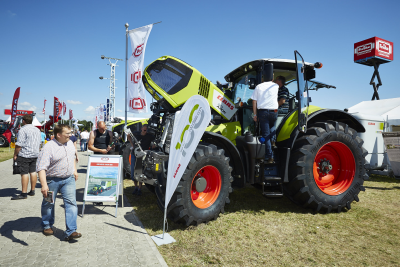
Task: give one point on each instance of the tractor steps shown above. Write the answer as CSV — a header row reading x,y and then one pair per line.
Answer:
x,y
272,186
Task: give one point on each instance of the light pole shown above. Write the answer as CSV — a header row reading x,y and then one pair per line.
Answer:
x,y
112,84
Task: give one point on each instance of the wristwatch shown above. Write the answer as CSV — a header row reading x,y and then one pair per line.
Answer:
x,y
253,115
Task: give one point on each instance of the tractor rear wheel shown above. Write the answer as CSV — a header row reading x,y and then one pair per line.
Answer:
x,y
3,141
203,189
327,167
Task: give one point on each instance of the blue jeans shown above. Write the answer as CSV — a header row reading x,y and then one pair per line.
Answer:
x,y
84,144
67,188
133,162
267,119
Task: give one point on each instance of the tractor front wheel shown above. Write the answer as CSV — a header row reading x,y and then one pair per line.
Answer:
x,y
326,168
203,189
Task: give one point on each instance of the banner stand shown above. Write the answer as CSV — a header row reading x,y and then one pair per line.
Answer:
x,y
103,180
164,238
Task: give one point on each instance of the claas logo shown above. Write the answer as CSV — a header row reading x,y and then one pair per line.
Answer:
x,y
138,50
135,77
137,103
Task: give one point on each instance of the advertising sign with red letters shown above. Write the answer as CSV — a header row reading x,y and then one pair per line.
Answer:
x,y
371,48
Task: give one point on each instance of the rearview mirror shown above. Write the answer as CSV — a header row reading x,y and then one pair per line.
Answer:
x,y
252,83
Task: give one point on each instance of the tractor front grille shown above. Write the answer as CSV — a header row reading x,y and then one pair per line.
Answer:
x,y
204,87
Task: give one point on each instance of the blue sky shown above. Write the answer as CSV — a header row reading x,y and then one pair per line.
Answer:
x,y
53,48
104,172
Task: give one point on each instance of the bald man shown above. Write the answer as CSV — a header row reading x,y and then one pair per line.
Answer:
x,y
100,139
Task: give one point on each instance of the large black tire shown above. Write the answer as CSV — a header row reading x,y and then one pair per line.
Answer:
x,y
3,141
182,208
126,151
303,188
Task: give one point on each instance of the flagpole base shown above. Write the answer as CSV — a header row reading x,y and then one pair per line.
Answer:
x,y
159,240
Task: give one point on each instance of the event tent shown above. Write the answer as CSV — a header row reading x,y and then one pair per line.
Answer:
x,y
387,109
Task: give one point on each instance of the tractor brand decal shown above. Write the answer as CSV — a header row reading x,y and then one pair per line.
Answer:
x,y
364,49
177,169
135,77
371,123
137,103
223,104
104,159
384,48
138,50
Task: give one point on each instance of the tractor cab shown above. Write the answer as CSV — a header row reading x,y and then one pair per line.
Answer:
x,y
243,80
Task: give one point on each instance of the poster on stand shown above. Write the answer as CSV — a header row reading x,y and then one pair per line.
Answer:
x,y
103,178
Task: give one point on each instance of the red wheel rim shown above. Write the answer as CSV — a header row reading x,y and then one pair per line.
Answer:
x,y
343,167
210,194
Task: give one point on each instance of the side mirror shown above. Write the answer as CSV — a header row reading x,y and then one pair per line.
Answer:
x,y
252,83
115,134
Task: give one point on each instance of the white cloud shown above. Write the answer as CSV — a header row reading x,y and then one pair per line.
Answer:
x,y
24,104
118,110
73,102
8,106
11,14
33,108
90,110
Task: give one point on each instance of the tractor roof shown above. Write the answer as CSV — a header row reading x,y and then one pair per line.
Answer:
x,y
281,64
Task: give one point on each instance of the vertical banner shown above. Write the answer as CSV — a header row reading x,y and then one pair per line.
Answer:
x,y
105,113
189,126
136,101
64,108
56,109
60,109
70,114
44,107
108,110
14,108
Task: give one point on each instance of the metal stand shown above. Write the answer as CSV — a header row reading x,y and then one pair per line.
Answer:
x,y
376,86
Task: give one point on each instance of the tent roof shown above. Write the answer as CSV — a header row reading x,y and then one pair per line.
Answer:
x,y
35,121
388,109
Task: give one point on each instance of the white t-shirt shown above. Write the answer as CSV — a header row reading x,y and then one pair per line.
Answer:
x,y
85,135
266,95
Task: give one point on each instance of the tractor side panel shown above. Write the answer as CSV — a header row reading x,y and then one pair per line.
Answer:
x,y
230,130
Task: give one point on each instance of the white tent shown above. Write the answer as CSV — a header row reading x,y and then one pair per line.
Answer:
x,y
388,109
35,121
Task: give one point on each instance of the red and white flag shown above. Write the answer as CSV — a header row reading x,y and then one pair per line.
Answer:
x,y
44,107
136,91
14,108
70,114
64,108
56,110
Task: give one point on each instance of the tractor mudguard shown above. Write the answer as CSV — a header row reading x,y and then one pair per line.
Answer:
x,y
231,151
288,131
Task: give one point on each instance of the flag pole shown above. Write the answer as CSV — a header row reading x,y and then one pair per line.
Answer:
x,y
126,76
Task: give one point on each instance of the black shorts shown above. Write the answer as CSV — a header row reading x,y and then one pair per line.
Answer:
x,y
26,165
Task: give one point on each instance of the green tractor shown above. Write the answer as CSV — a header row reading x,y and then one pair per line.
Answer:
x,y
319,158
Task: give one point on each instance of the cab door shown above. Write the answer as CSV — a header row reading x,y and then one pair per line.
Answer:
x,y
302,92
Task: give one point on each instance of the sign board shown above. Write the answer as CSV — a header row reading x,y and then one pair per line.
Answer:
x,y
392,144
373,49
19,112
103,178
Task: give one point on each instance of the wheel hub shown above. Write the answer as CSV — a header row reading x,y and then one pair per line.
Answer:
x,y
325,166
201,184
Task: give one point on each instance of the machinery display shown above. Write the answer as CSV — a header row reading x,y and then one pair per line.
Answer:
x,y
319,157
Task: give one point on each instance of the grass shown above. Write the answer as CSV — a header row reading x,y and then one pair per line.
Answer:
x,y
5,154
276,232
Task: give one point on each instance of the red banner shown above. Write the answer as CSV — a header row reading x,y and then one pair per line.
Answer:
x,y
14,108
60,108
56,110
19,112
65,108
70,114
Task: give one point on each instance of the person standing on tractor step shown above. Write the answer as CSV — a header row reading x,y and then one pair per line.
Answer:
x,y
283,95
145,140
100,139
25,154
57,173
265,109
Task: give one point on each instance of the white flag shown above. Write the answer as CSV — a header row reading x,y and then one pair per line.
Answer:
x,y
136,91
189,126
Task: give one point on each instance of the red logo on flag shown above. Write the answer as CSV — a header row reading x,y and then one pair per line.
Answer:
x,y
135,77
138,50
137,103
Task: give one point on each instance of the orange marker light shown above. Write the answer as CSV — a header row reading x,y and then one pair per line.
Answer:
x,y
318,65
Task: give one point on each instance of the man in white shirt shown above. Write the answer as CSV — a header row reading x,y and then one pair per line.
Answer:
x,y
265,108
84,140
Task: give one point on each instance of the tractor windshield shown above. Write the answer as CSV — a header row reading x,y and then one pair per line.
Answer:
x,y
242,92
